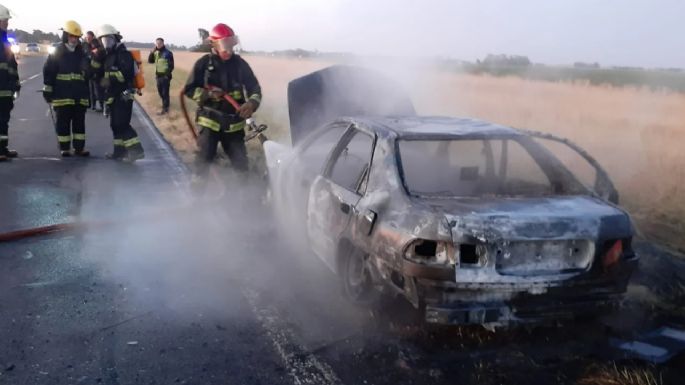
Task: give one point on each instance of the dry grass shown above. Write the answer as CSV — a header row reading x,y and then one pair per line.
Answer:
x,y
173,125
616,375
272,112
636,134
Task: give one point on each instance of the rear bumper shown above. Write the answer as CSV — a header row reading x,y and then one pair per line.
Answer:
x,y
449,302
503,313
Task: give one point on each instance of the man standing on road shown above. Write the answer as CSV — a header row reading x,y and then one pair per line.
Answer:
x,y
96,92
116,71
65,78
163,60
215,79
9,85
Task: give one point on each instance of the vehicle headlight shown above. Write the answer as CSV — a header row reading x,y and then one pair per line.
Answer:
x,y
51,50
15,49
430,252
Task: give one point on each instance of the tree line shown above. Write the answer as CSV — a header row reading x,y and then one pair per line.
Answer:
x,y
37,36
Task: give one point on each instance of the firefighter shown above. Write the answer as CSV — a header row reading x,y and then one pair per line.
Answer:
x,y
163,59
65,79
90,47
116,70
215,75
9,85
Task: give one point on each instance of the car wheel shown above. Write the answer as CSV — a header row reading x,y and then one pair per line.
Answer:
x,y
356,280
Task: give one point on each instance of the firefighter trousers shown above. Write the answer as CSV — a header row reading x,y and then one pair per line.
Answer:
x,y
163,84
97,94
70,124
125,137
6,105
233,144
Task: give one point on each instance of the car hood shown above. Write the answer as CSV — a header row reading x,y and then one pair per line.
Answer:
x,y
342,90
501,219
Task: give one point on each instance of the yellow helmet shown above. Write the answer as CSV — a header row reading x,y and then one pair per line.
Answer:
x,y
73,28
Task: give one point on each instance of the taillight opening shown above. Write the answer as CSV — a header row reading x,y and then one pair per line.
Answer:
x,y
430,252
468,255
426,249
613,255
472,255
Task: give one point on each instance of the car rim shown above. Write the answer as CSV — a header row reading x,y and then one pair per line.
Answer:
x,y
357,277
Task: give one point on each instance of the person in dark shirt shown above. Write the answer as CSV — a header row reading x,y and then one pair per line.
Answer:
x,y
97,94
163,59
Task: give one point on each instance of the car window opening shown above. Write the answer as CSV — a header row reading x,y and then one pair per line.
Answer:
x,y
483,167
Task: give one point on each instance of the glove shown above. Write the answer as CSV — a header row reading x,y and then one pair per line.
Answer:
x,y
99,54
246,110
216,93
47,96
128,95
16,95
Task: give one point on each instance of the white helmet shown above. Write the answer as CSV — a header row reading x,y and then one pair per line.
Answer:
x,y
4,13
106,29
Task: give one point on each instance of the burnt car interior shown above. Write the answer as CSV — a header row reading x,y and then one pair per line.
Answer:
x,y
476,167
351,161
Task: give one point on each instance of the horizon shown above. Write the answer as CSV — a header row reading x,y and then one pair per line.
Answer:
x,y
633,33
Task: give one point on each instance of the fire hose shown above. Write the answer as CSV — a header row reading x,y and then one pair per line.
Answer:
x,y
255,131
83,225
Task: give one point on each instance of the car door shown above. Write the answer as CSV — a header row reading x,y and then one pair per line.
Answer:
x,y
334,195
308,162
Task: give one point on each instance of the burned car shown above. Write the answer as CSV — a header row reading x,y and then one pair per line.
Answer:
x,y
472,222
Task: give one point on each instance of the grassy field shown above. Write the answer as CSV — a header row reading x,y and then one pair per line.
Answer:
x,y
635,133
673,79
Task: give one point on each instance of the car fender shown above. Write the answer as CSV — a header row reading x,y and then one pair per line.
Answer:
x,y
275,154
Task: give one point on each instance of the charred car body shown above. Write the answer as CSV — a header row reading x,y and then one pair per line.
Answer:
x,y
472,222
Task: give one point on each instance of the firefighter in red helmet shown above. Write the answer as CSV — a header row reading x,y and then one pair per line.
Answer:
x,y
217,78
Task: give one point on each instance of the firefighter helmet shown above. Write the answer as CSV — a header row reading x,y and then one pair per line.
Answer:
x,y
221,31
73,28
4,13
106,29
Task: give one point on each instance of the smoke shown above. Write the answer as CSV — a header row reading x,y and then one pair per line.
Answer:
x,y
186,256
167,245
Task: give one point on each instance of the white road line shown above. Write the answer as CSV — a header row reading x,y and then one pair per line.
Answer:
x,y
303,367
29,78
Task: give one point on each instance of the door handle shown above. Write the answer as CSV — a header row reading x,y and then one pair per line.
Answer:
x,y
345,208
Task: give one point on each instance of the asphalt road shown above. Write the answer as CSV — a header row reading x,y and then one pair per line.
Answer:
x,y
61,298
163,287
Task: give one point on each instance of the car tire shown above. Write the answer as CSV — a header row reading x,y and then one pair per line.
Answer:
x,y
356,280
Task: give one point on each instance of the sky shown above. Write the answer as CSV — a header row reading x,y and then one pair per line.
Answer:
x,y
646,33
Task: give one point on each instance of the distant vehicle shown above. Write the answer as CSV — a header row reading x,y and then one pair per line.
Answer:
x,y
53,47
472,222
32,47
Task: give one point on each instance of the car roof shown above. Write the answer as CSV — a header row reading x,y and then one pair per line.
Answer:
x,y
429,127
